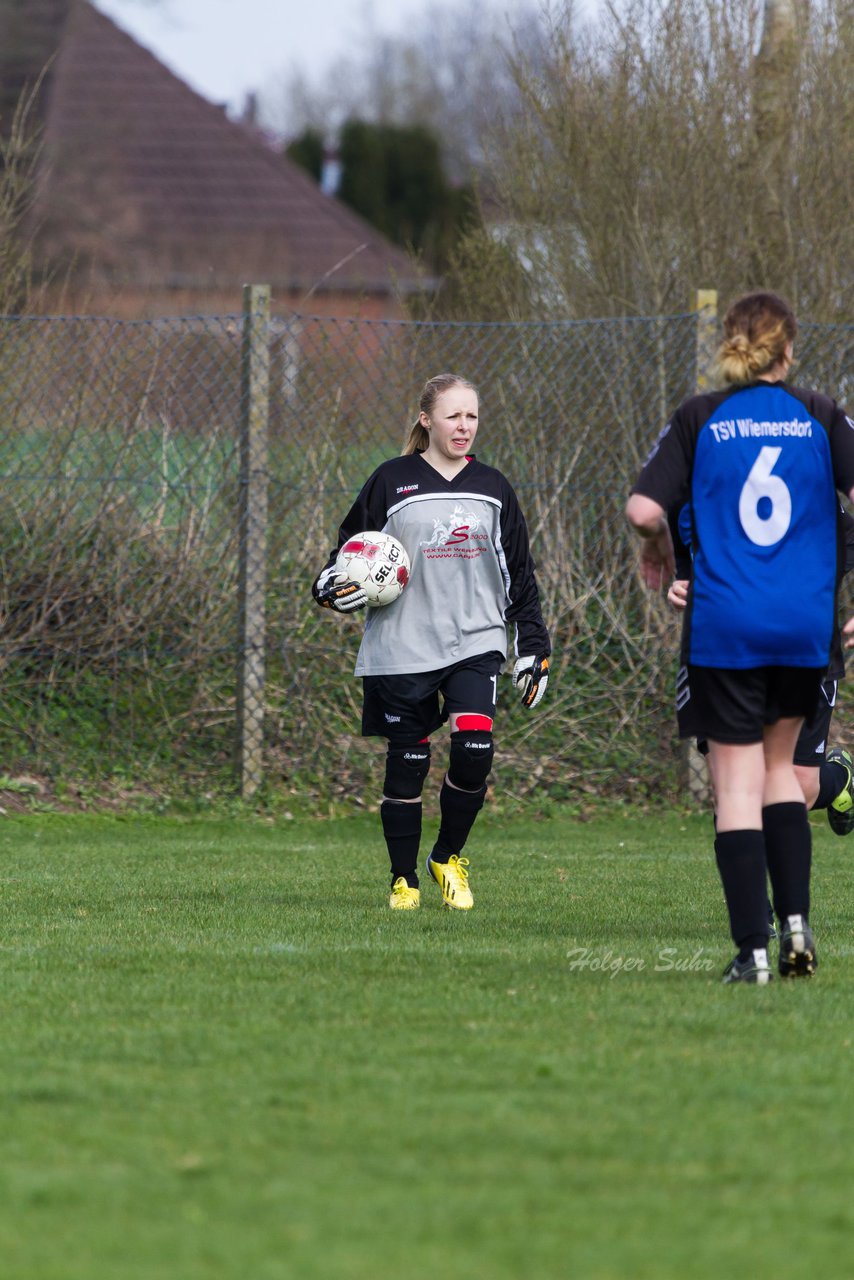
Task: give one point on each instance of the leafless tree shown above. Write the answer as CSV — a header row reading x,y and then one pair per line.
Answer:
x,y
451,72
677,144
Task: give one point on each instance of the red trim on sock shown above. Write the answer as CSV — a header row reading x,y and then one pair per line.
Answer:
x,y
474,722
420,740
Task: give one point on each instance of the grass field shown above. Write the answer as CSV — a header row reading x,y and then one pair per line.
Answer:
x,y
222,1056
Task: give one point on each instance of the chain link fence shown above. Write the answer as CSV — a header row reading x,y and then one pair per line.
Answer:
x,y
171,488
119,454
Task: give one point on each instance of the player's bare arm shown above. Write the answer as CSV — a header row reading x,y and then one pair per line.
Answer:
x,y
657,559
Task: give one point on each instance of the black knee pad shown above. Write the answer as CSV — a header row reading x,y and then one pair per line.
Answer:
x,y
406,768
471,758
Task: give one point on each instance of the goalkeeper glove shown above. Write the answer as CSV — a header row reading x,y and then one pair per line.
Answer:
x,y
335,591
531,678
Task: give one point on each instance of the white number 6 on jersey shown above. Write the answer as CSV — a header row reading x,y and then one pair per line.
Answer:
x,y
766,529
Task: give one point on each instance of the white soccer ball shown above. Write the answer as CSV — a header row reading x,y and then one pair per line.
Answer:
x,y
378,562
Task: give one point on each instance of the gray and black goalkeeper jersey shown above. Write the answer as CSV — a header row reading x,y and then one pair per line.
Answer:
x,y
471,568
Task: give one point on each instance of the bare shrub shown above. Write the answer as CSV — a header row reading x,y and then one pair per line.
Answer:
x,y
20,148
664,148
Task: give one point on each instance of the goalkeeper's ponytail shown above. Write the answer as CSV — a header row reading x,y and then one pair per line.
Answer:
x,y
419,437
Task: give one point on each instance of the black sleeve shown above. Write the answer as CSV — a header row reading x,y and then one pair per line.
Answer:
x,y
842,450
666,474
840,432
367,512
523,609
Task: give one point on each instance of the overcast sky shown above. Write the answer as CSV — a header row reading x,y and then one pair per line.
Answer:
x,y
225,48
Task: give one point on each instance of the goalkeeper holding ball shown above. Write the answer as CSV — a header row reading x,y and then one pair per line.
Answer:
x,y
435,653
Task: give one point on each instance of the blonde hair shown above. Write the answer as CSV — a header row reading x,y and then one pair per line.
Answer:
x,y
419,437
757,328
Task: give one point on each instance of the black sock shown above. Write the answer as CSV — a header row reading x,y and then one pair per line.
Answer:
x,y
402,831
459,810
788,846
741,864
832,777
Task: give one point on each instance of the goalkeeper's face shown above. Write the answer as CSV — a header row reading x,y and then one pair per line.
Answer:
x,y
453,422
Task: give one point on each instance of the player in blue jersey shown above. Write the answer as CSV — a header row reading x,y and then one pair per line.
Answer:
x,y
760,463
436,653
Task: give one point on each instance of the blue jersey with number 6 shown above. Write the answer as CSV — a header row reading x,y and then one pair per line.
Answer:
x,y
765,515
760,466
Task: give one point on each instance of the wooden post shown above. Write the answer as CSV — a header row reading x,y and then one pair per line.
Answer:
x,y
252,580
704,304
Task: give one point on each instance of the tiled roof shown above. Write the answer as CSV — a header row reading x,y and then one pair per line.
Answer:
x,y
146,182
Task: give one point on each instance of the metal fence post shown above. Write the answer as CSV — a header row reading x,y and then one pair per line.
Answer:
x,y
255,408
704,304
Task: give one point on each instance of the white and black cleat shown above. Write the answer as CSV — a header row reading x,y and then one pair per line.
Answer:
x,y
753,968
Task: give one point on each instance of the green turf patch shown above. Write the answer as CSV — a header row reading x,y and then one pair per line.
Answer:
x,y
223,1056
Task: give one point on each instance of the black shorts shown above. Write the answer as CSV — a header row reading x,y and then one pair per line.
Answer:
x,y
406,708
812,739
735,706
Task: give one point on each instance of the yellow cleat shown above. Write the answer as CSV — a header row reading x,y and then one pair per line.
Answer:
x,y
403,896
452,877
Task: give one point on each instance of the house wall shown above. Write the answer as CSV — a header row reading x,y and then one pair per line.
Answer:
x,y
133,303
